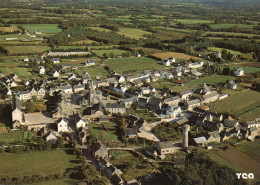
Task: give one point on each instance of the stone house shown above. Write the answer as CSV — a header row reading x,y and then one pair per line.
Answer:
x,y
165,147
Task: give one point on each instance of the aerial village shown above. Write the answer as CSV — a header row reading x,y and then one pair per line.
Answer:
x,y
75,102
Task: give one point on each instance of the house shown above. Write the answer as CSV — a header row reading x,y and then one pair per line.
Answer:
x,y
191,104
210,97
184,95
41,70
17,114
52,137
154,104
195,65
195,72
115,108
173,112
26,59
178,71
172,101
121,79
130,132
81,123
200,141
55,74
73,76
38,32
165,147
142,102
63,125
231,84
145,90
129,101
79,88
166,63
239,71
66,89
24,95
99,150
90,62
83,134
55,60
217,54
253,132
213,137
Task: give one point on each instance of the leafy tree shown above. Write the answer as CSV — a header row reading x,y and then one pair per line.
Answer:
x,y
30,106
48,146
41,143
60,142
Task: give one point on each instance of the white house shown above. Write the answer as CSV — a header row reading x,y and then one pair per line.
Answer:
x,y
121,79
217,54
79,88
55,60
145,90
41,70
90,62
166,63
63,125
55,74
81,123
52,137
239,72
66,89
24,95
173,112
26,59
165,147
231,84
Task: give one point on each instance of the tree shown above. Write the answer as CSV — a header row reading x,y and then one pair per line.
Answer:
x,y
122,123
105,55
60,142
30,107
48,146
112,55
74,143
41,143
40,107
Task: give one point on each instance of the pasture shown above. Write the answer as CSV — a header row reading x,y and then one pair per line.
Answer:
x,y
44,28
246,68
220,50
115,51
243,105
133,64
193,21
15,137
21,72
93,71
104,132
16,50
133,33
212,80
226,26
35,163
119,19
100,29
9,29
236,160
166,55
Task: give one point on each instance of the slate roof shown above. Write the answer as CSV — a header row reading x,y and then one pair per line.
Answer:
x,y
115,105
165,144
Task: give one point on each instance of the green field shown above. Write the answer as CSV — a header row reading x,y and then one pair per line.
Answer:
x,y
15,137
133,64
21,72
2,37
226,26
243,105
105,134
119,19
246,69
193,21
220,50
35,163
212,80
27,49
115,51
100,29
231,34
133,33
44,28
93,71
71,47
252,149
